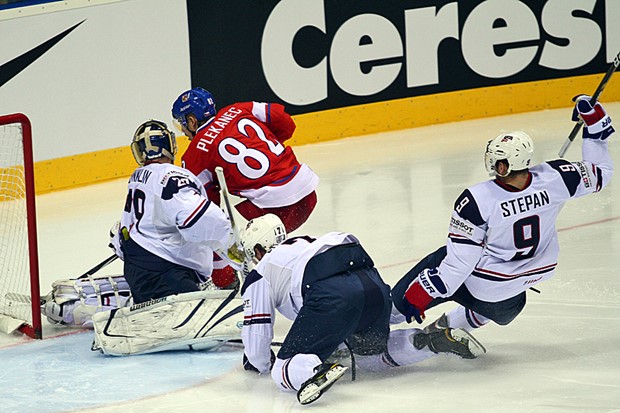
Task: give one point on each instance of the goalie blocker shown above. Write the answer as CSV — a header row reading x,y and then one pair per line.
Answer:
x,y
200,320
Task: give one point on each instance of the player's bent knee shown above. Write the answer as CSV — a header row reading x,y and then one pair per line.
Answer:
x,y
290,374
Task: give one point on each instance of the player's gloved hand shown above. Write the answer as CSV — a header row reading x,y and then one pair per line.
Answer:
x,y
420,294
236,254
114,232
411,312
598,123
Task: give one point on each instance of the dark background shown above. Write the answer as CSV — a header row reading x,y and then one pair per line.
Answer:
x,y
225,38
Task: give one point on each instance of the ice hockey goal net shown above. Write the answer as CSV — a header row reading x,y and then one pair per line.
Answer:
x,y
19,268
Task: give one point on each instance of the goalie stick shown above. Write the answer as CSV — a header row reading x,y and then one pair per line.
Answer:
x,y
225,195
595,96
99,266
219,171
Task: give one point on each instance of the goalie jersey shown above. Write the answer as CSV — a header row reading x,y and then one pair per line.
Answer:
x,y
503,240
167,213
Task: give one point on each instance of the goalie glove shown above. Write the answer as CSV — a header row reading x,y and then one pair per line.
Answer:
x,y
422,291
597,121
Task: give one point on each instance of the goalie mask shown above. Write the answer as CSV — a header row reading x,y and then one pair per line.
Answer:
x,y
265,232
516,148
153,140
196,101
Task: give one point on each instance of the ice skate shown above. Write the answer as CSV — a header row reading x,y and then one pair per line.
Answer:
x,y
313,388
448,340
440,324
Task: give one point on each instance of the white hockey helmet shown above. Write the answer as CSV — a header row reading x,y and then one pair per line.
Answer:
x,y
266,232
516,148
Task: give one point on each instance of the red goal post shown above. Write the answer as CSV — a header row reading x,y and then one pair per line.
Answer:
x,y
19,265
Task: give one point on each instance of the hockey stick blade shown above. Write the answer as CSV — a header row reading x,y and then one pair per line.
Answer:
x,y
595,96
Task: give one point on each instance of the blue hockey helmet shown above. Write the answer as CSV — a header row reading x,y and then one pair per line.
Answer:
x,y
196,101
153,140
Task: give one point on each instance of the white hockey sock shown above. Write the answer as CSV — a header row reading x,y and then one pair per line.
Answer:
x,y
291,373
396,317
461,317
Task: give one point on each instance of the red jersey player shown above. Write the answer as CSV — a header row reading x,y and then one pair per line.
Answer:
x,y
246,140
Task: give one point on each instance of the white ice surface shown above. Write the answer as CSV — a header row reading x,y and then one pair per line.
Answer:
x,y
395,192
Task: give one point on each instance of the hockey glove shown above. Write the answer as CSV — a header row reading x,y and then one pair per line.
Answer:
x,y
114,233
422,291
236,254
598,123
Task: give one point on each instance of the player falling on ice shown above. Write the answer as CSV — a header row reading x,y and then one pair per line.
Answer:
x,y
502,237
328,286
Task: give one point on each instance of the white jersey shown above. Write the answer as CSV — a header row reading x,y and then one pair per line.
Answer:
x,y
275,284
167,213
503,240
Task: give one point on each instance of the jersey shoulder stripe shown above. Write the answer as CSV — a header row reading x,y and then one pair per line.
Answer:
x,y
467,208
569,174
252,277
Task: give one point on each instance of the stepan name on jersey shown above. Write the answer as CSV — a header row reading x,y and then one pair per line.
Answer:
x,y
524,203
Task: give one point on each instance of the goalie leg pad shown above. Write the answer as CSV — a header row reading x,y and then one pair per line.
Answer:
x,y
73,302
199,320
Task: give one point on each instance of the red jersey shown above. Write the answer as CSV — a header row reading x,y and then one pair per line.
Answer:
x,y
246,140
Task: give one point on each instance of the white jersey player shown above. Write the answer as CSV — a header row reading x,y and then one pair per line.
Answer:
x,y
169,229
502,235
166,237
330,289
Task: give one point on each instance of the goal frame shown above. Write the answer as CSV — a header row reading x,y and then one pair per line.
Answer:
x,y
35,330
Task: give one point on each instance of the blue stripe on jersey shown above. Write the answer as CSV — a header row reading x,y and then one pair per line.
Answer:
x,y
197,215
262,320
459,240
599,179
511,277
467,208
285,375
252,277
569,174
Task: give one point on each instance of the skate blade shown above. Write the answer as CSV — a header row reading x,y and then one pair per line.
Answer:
x,y
475,347
313,391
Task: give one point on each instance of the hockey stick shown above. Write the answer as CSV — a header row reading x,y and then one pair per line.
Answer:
x,y
595,96
219,171
99,266
225,195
